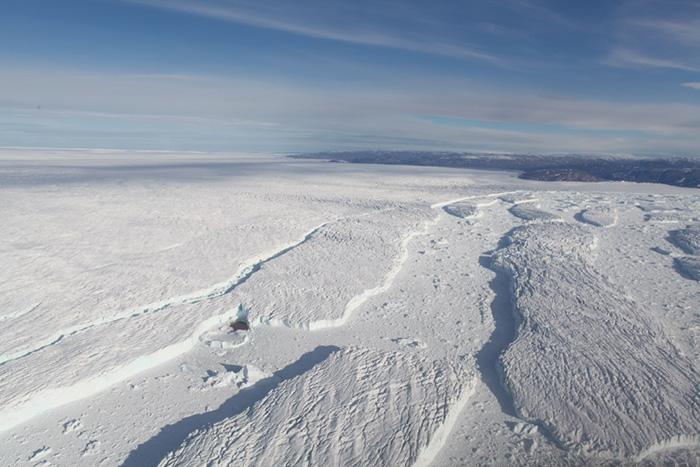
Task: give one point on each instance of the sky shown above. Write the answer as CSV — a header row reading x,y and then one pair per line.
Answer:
x,y
523,76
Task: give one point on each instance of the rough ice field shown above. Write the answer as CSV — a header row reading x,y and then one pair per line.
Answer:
x,y
602,361
399,315
689,266
600,216
462,209
381,392
687,239
293,282
528,212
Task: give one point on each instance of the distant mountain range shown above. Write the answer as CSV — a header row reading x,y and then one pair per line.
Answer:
x,y
683,172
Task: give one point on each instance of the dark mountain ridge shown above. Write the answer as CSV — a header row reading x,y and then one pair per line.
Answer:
x,y
683,172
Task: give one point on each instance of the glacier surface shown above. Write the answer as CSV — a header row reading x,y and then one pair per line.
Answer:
x,y
398,315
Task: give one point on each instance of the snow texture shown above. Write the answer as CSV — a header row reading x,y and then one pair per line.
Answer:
x,y
688,266
461,210
687,239
518,198
602,361
369,244
599,216
398,315
387,411
531,213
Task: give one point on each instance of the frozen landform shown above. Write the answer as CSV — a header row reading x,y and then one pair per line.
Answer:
x,y
687,239
530,212
599,216
398,315
306,420
295,292
518,197
602,360
689,266
461,209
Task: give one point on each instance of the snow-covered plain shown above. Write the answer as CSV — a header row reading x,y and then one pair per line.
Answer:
x,y
399,315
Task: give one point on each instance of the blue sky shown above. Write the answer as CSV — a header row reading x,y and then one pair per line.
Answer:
x,y
284,76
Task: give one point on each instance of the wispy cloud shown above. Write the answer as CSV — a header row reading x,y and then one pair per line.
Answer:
x,y
658,35
271,115
313,25
626,58
692,85
538,11
684,32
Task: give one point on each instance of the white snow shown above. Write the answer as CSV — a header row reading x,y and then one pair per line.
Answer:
x,y
42,401
600,354
599,216
399,315
689,266
531,213
687,239
462,210
305,420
